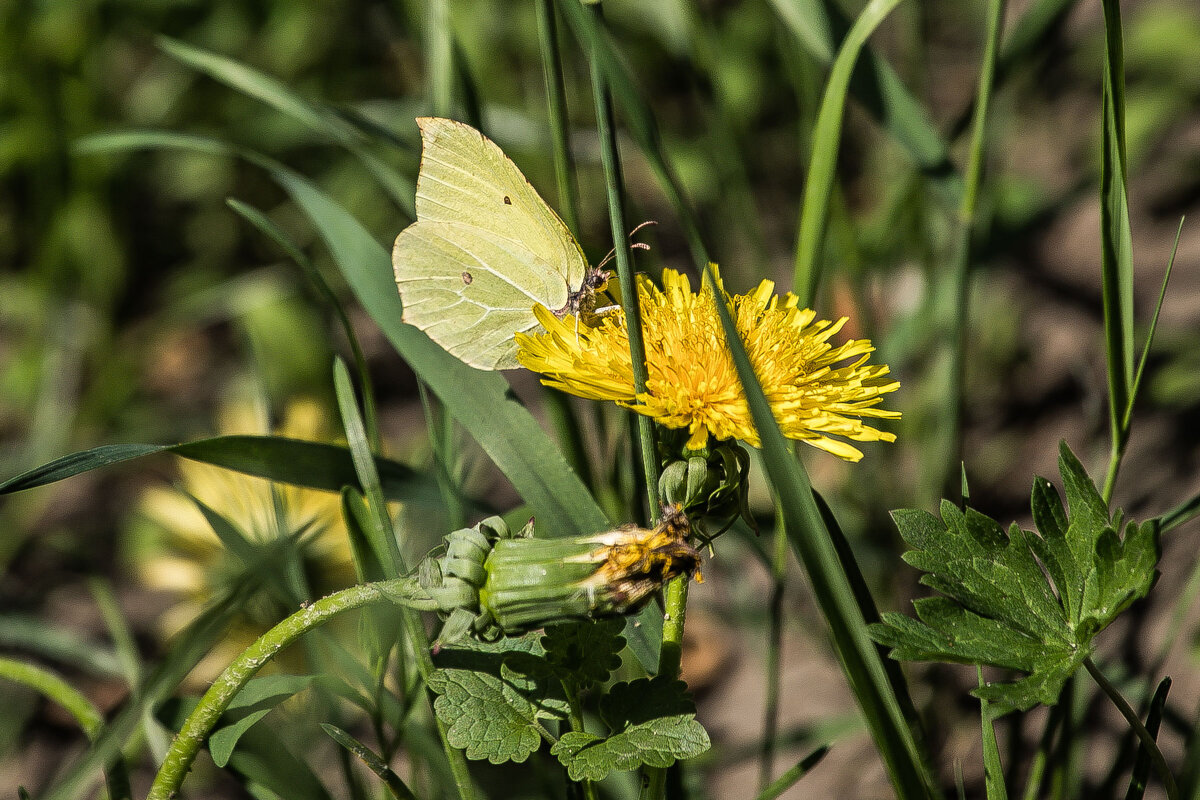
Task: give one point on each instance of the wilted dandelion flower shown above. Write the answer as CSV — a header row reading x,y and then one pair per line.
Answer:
x,y
293,539
817,391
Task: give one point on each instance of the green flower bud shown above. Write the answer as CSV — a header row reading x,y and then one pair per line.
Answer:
x,y
491,583
711,484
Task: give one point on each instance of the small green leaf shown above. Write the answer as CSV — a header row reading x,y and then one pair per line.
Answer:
x,y
997,607
490,697
254,702
653,723
584,653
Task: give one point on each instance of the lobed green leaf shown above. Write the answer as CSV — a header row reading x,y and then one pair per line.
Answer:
x,y
996,606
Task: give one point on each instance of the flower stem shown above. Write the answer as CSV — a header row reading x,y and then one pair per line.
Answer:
x,y
615,182
951,460
1156,756
675,594
216,700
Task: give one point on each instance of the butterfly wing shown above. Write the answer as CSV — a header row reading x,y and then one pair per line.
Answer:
x,y
484,250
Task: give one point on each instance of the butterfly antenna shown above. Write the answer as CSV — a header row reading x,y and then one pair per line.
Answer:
x,y
633,245
633,232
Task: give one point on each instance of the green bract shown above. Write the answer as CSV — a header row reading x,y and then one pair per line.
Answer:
x,y
997,607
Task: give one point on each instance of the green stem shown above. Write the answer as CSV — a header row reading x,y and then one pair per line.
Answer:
x,y
87,715
675,594
566,423
1123,426
1151,747
766,764
440,63
615,182
556,102
410,620
575,719
952,459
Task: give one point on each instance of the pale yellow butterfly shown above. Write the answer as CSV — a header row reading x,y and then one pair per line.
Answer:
x,y
485,249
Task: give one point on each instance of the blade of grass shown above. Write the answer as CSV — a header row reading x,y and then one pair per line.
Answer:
x,y
381,534
859,657
1116,263
315,465
818,185
556,108
131,661
818,26
638,117
788,779
439,58
277,95
264,224
391,781
49,641
1149,746
1126,422
675,594
414,629
87,715
563,415
951,431
1141,767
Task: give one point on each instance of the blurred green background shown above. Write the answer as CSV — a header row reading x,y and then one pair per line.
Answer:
x,y
135,305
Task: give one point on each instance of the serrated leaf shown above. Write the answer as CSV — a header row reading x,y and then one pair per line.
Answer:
x,y
652,722
656,743
584,653
255,701
480,719
997,607
490,696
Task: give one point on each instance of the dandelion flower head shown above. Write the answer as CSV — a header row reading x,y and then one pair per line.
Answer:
x,y
819,393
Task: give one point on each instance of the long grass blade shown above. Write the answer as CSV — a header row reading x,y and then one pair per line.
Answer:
x,y
391,781
789,779
1138,778
818,186
1126,423
79,707
950,455
1116,263
264,224
277,95
639,119
315,465
816,25
810,539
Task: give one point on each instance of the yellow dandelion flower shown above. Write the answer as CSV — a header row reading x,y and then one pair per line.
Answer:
x,y
816,390
286,527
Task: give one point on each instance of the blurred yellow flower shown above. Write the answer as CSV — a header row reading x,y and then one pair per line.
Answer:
x,y
816,391
295,544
